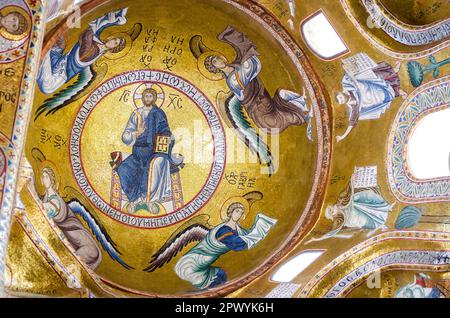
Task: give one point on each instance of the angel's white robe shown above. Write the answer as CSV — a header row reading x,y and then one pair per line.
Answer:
x,y
366,210
415,290
372,95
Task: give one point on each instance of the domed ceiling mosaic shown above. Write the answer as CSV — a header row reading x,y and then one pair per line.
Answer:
x,y
224,148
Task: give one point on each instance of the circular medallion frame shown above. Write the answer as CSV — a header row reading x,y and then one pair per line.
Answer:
x,y
149,77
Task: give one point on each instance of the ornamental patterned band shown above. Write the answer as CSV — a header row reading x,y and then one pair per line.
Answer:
x,y
430,97
406,34
16,48
403,258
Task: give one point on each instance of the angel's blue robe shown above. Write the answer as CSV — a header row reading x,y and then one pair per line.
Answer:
x,y
58,68
226,235
134,170
196,265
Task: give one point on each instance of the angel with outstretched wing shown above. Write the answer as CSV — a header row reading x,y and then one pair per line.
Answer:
x,y
196,265
68,214
82,63
248,103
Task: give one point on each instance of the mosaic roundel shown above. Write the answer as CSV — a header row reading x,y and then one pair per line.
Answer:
x,y
111,200
175,145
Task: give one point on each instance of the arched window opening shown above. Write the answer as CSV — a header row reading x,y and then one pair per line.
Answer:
x,y
322,38
429,146
289,270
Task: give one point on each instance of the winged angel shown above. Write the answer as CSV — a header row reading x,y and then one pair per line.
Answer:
x,y
248,100
83,62
69,214
196,265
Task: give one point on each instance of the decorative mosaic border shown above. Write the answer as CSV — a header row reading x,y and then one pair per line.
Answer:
x,y
14,54
436,261
382,48
357,249
430,97
395,267
322,115
404,33
283,290
24,106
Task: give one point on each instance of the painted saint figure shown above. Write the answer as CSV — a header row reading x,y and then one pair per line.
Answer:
x,y
196,266
13,23
145,174
361,208
423,287
15,27
286,108
83,64
58,68
368,89
248,95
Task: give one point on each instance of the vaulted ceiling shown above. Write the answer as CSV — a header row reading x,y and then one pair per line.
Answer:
x,y
235,148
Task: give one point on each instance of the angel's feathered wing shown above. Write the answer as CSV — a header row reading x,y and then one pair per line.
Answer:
x,y
81,207
242,45
89,77
232,111
194,230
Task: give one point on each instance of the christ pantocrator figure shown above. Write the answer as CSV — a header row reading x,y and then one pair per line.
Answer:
x,y
145,175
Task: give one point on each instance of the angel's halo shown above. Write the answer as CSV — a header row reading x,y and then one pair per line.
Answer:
x,y
128,44
230,201
41,163
204,71
15,37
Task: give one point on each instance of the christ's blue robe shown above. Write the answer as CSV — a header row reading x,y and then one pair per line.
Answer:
x,y
133,171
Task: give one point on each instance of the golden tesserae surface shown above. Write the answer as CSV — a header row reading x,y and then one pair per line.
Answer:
x,y
231,148
216,144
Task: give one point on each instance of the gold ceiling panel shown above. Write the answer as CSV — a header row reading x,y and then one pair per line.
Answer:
x,y
200,148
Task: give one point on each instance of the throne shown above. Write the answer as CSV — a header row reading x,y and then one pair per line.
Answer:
x,y
118,198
